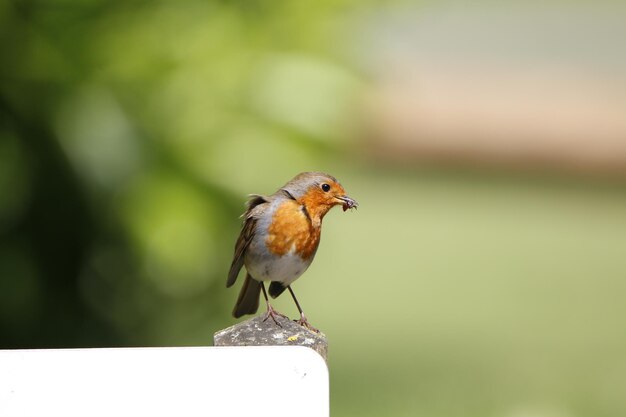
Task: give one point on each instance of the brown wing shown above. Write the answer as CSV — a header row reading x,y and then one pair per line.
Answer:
x,y
245,237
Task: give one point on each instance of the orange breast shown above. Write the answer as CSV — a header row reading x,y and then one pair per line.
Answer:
x,y
290,227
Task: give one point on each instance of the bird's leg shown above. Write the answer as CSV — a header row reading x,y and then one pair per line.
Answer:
x,y
303,321
270,310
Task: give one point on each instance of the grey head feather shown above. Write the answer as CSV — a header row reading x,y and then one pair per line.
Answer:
x,y
299,184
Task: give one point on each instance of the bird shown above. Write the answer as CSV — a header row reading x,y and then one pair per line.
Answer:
x,y
279,238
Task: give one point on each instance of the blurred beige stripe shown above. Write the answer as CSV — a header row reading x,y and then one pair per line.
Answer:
x,y
495,93
570,118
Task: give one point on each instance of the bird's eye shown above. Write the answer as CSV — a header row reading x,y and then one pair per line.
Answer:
x,y
326,187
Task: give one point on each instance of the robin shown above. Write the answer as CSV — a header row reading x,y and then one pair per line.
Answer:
x,y
279,238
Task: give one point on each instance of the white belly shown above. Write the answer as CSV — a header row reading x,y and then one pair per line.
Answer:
x,y
285,269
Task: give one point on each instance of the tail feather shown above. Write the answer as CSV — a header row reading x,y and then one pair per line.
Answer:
x,y
248,300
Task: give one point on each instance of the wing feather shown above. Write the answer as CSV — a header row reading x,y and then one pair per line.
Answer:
x,y
245,237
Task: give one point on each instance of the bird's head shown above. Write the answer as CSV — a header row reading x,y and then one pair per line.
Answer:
x,y
318,192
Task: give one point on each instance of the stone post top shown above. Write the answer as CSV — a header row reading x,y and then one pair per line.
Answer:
x,y
256,332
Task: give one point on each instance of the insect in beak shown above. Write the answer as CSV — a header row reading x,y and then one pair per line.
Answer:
x,y
347,202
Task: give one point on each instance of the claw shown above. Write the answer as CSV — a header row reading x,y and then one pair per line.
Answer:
x,y
305,323
271,313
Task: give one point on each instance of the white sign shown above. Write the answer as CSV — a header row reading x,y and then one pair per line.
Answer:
x,y
183,382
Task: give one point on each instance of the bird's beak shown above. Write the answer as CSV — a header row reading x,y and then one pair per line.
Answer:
x,y
347,202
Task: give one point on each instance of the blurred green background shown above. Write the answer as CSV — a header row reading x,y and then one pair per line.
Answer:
x,y
132,131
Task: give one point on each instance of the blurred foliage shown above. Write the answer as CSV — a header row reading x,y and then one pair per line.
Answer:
x,y
130,134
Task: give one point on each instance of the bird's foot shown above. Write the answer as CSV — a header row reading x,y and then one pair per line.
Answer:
x,y
271,313
305,323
